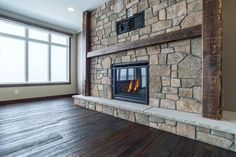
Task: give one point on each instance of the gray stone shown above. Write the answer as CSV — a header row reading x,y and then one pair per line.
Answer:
x,y
194,6
127,115
156,119
159,70
189,105
176,10
107,110
153,59
201,129
141,52
177,21
166,127
197,93
192,20
186,92
189,83
174,97
161,25
141,118
196,47
175,82
129,5
155,84
106,80
175,58
143,5
186,130
154,102
98,108
184,49
125,59
162,14
165,81
148,13
169,104
153,49
106,63
119,5
170,122
162,58
179,43
214,140
222,134
167,50
160,6
190,67
170,90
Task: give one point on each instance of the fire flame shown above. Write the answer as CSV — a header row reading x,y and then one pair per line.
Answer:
x,y
136,85
130,86
135,88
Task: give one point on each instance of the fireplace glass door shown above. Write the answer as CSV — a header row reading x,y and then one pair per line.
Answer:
x,y
130,82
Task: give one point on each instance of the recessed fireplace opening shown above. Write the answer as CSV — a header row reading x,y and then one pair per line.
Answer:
x,y
131,82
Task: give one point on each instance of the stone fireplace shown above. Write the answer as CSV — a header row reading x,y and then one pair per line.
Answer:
x,y
130,82
170,48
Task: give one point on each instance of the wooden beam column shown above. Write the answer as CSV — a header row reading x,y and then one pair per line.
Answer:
x,y
87,48
212,58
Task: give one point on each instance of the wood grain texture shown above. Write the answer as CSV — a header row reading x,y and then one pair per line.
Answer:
x,y
212,59
182,34
86,35
58,128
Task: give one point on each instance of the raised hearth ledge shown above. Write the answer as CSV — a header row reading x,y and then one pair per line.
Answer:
x,y
227,124
182,34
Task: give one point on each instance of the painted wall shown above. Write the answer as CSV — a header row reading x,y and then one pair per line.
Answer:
x,y
43,91
229,55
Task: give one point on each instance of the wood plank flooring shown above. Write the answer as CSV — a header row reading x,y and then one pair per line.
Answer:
x,y
58,128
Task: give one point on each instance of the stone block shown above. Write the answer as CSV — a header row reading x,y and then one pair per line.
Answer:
x,y
153,59
165,81
167,50
162,58
170,122
127,115
129,5
189,83
175,82
107,110
91,106
174,97
194,6
156,119
119,6
141,52
155,84
196,47
152,124
190,67
170,90
202,129
177,10
197,93
154,102
168,128
175,58
106,63
186,130
160,6
142,58
160,70
222,134
162,14
98,108
141,118
192,20
186,92
179,43
184,49
214,140
161,25
169,104
106,81
125,59
189,105
143,5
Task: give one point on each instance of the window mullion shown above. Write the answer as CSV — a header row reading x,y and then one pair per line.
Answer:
x,y
49,57
27,55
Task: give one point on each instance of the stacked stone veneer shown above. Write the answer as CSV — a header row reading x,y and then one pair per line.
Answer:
x,y
175,72
214,137
161,16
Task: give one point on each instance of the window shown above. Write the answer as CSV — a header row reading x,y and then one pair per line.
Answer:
x,y
30,55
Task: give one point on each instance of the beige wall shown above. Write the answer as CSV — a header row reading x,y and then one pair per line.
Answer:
x,y
229,55
42,91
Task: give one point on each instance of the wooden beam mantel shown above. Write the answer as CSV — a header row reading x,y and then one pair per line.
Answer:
x,y
182,34
212,59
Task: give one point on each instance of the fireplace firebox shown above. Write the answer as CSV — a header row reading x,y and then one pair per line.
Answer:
x,y
130,82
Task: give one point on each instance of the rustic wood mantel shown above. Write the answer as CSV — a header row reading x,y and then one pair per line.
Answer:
x,y
182,34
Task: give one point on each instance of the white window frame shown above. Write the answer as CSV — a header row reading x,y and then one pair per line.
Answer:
x,y
49,43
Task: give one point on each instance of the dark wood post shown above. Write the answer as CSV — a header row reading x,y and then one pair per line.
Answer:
x,y
87,48
212,58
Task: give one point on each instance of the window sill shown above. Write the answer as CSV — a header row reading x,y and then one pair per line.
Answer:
x,y
34,84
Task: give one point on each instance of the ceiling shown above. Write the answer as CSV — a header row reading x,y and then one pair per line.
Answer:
x,y
52,11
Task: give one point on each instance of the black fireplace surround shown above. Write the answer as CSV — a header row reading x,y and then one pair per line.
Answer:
x,y
131,82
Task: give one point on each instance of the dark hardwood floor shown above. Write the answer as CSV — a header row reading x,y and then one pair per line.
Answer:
x,y
58,128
